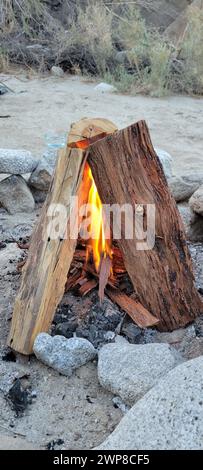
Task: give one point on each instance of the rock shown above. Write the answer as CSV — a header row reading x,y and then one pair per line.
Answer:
x,y
10,252
39,196
122,58
181,190
194,178
196,201
193,348
15,196
57,71
16,443
66,328
16,162
41,177
176,337
63,355
130,370
186,214
105,88
166,161
3,89
195,231
168,417
118,403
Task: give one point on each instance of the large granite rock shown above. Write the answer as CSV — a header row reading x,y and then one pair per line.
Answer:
x,y
17,162
130,370
180,189
168,417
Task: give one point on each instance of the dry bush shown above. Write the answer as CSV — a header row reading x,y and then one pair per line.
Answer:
x,y
88,42
89,36
191,80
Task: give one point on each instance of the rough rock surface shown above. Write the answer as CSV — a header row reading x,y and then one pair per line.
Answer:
x,y
181,190
16,162
130,370
166,161
63,355
15,196
196,201
169,416
57,71
195,231
105,88
41,177
194,178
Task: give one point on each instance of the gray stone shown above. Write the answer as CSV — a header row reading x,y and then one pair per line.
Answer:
x,y
118,403
193,348
63,355
195,231
194,178
41,177
122,57
166,161
16,162
15,196
130,370
57,71
186,214
168,417
196,201
39,195
181,190
105,88
176,337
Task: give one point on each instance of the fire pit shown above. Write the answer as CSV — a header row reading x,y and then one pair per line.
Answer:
x,y
139,259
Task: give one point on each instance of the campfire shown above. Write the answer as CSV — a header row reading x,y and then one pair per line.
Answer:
x,y
152,281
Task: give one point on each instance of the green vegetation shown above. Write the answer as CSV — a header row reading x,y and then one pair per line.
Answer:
x,y
102,39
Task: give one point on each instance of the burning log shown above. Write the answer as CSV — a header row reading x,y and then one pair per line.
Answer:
x,y
126,170
45,273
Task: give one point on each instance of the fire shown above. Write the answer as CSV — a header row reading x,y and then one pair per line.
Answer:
x,y
98,244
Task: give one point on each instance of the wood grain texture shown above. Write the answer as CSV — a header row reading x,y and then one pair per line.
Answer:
x,y
126,169
45,273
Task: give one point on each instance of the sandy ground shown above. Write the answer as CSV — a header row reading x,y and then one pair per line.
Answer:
x,y
76,410
51,104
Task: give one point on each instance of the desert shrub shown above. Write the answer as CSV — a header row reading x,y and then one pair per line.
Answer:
x,y
88,42
89,37
191,53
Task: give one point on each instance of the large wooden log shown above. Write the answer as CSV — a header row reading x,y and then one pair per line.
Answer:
x,y
126,169
45,273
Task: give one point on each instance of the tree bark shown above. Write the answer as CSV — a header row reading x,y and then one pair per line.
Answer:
x,y
127,170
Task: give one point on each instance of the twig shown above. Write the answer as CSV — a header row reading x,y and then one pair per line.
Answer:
x,y
7,87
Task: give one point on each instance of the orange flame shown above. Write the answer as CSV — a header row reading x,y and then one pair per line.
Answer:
x,y
99,245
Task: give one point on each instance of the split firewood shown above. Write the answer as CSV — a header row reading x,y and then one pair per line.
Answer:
x,y
45,273
87,287
140,315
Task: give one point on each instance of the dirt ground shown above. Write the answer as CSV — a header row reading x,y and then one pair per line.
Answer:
x,y
75,413
39,106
